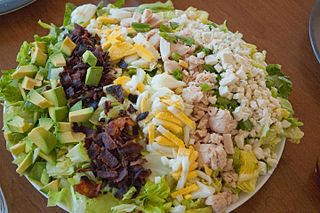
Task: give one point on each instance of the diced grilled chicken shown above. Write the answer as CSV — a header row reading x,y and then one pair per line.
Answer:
x,y
228,145
222,122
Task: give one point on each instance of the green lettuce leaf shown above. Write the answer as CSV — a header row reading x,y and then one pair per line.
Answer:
x,y
9,89
67,13
78,154
248,172
156,7
24,54
119,3
63,168
276,79
294,134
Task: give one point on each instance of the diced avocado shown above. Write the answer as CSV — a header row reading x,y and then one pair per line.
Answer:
x,y
81,115
51,158
37,99
58,113
28,83
13,137
64,127
54,73
38,57
89,58
76,106
25,70
67,46
70,137
44,139
46,123
19,124
56,96
25,164
52,186
58,60
17,148
36,171
39,76
201,210
41,45
93,76
95,116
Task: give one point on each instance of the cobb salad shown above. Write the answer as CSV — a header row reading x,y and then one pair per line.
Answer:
x,y
144,109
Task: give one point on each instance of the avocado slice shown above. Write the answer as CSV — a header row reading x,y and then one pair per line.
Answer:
x,y
28,83
41,45
39,76
25,70
58,113
36,171
89,58
56,96
44,139
37,99
67,46
64,127
54,73
46,123
70,137
95,116
17,148
25,164
38,57
76,106
52,186
81,115
19,124
51,158
58,60
93,76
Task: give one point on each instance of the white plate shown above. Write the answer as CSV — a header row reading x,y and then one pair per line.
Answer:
x,y
243,197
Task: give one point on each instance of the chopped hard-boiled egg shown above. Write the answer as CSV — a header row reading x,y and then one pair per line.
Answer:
x,y
165,142
120,50
82,14
122,80
180,115
144,53
107,20
167,116
151,132
167,124
186,190
166,133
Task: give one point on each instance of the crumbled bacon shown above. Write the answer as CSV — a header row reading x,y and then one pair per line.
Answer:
x,y
73,77
116,157
87,187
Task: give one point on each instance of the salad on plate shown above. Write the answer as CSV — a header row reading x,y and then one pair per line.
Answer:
x,y
144,109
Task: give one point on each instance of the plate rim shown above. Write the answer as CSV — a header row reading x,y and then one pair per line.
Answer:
x,y
18,7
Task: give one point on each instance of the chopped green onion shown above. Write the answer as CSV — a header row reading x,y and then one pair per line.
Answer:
x,y
174,25
245,125
175,56
205,87
165,28
209,68
188,41
206,51
141,27
131,35
177,73
168,37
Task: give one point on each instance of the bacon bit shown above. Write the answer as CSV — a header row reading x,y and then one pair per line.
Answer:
x,y
116,91
87,187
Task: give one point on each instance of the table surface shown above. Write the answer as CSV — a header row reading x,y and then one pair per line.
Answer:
x,y
280,27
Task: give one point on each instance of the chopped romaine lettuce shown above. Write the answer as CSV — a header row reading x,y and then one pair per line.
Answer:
x,y
67,13
278,80
78,154
156,7
9,90
24,54
294,134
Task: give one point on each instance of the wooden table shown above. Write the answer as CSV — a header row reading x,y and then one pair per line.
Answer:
x,y
280,27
